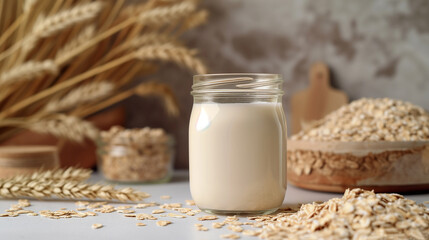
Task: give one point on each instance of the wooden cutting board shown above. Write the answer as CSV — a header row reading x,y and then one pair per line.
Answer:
x,y
318,100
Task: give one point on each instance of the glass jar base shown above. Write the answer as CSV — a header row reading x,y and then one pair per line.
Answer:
x,y
241,213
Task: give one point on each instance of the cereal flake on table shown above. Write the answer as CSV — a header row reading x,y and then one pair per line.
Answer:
x,y
207,217
163,223
96,225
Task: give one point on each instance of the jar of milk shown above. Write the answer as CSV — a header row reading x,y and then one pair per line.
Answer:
x,y
237,143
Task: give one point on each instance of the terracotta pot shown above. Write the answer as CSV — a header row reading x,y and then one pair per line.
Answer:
x,y
72,154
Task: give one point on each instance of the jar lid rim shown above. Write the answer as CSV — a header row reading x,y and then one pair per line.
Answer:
x,y
238,74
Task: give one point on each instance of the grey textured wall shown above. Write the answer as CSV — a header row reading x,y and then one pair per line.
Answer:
x,y
375,48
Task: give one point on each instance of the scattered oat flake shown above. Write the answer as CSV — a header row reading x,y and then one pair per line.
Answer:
x,y
139,224
81,214
230,236
182,210
235,223
217,224
96,204
24,203
130,215
176,215
123,207
91,213
202,229
257,225
249,232
32,214
81,203
146,205
163,223
198,225
208,217
81,209
231,218
158,211
165,197
190,202
193,212
144,216
105,210
97,225
171,205
126,211
235,228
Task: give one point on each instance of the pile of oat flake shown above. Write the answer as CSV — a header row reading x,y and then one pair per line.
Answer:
x,y
366,119
359,214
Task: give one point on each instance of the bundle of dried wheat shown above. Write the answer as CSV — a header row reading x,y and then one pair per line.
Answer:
x,y
66,184
61,61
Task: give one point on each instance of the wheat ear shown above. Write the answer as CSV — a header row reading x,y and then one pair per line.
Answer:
x,y
86,34
66,174
169,52
47,26
161,90
49,188
164,15
63,126
83,94
27,71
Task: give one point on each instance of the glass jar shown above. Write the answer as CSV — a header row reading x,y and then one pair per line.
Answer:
x,y
136,155
237,143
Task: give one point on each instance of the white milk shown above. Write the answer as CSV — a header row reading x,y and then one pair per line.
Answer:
x,y
237,154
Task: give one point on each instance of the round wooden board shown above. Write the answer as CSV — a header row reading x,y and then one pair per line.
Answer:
x,y
378,189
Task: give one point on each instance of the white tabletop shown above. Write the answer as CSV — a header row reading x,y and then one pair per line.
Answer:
x,y
117,226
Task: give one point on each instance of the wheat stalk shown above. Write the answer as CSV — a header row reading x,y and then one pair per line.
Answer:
x,y
169,52
164,15
150,38
27,71
195,20
64,126
28,5
142,40
67,174
66,189
84,94
85,35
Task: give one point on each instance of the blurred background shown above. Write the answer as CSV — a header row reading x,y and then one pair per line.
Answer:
x,y
373,49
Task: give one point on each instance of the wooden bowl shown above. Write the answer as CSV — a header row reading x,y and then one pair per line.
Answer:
x,y
18,160
381,166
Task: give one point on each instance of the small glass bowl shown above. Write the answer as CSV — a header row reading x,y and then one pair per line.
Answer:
x,y
143,162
